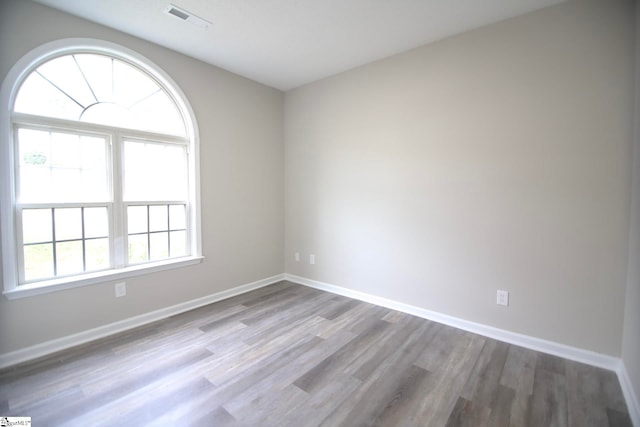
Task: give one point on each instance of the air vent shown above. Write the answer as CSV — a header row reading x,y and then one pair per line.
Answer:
x,y
177,12
189,17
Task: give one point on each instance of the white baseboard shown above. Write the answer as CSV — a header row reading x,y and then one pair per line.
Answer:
x,y
545,346
630,396
49,347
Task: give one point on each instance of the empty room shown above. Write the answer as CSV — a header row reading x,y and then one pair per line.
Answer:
x,y
320,213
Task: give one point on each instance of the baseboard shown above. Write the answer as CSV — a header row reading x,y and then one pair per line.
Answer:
x,y
630,396
545,346
49,347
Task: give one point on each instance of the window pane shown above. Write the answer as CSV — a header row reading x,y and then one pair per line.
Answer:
x,y
94,172
36,225
68,224
137,219
158,218
96,222
158,113
68,179
159,243
177,217
38,96
97,254
93,181
97,69
138,250
109,114
35,184
131,85
93,155
64,73
69,257
34,152
62,167
66,151
178,243
35,148
38,261
155,171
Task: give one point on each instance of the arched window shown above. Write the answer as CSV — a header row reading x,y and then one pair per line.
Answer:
x,y
101,169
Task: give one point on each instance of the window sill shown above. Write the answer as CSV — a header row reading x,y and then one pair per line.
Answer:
x,y
48,286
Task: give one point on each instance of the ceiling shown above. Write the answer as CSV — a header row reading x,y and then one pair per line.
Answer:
x,y
287,43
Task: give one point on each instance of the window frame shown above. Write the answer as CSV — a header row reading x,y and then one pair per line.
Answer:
x,y
10,121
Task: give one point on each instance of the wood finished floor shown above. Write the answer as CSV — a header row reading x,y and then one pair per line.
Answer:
x,y
288,355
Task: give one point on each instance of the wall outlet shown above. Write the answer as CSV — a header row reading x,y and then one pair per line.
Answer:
x,y
503,298
312,259
297,256
121,289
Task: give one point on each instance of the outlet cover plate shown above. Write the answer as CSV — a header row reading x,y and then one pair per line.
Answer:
x,y
502,298
121,289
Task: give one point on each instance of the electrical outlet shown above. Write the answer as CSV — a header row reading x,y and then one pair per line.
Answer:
x,y
312,259
503,298
297,256
121,289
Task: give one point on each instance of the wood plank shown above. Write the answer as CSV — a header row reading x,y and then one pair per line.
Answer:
x,y
322,402
483,383
618,419
218,417
549,404
520,410
335,363
448,379
502,406
387,343
519,369
404,399
467,413
585,408
375,394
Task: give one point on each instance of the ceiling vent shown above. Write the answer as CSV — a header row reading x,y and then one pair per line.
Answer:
x,y
189,17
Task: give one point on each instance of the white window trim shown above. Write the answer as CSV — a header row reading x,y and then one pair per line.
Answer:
x,y
8,92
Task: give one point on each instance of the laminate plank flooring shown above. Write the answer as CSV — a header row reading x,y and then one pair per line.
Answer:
x,y
288,355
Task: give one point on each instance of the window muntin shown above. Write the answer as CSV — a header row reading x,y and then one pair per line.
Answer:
x,y
59,242
52,156
156,232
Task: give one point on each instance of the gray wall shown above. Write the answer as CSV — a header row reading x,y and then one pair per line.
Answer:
x,y
631,337
496,159
242,170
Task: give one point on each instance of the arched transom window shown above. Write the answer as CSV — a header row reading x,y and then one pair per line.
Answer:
x,y
103,170
97,88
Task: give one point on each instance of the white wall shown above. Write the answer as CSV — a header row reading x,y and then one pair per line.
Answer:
x,y
241,165
496,159
631,337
